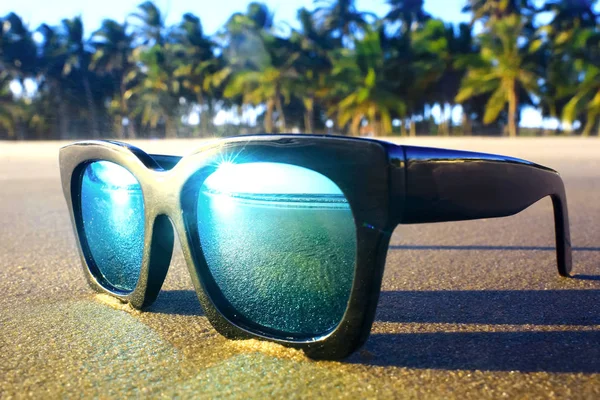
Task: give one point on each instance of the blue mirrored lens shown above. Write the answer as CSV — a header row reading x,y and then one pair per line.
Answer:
x,y
280,243
112,209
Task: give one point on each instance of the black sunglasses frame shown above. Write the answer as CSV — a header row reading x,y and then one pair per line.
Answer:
x,y
385,185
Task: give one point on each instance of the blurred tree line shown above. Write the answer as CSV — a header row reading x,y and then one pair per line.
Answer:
x,y
341,70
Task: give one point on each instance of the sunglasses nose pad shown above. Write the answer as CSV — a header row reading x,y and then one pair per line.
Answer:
x,y
160,257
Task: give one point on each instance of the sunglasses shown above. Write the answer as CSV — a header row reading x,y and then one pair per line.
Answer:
x,y
285,236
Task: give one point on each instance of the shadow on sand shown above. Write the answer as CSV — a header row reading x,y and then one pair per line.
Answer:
x,y
486,248
568,344
572,347
571,344
177,302
567,341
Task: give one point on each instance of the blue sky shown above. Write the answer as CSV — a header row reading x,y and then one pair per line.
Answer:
x,y
213,15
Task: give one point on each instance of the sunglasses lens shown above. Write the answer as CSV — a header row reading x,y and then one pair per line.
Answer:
x,y
280,244
112,212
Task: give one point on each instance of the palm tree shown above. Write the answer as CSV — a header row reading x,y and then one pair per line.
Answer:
x,y
78,57
257,88
268,85
502,69
341,18
339,63
494,10
313,65
63,70
51,79
260,66
149,24
459,45
17,62
569,14
586,97
156,96
198,65
38,115
113,57
431,69
365,92
243,38
155,91
408,12
10,111
17,48
260,15
567,41
419,67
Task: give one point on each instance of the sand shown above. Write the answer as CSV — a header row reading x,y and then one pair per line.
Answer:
x,y
468,310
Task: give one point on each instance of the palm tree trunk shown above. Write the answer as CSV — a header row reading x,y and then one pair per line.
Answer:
x,y
130,131
308,115
203,115
379,128
210,107
447,112
450,118
20,132
513,103
307,122
413,127
170,129
119,126
588,128
589,124
269,117
132,128
279,107
355,125
63,116
402,127
123,111
91,107
445,120
466,124
442,124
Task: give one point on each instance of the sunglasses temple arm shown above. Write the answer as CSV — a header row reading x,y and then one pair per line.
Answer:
x,y
448,185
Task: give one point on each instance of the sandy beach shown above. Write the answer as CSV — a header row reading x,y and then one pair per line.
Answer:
x,y
469,310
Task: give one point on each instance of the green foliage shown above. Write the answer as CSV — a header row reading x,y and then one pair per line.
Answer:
x,y
359,80
9,110
504,68
144,78
156,97
573,43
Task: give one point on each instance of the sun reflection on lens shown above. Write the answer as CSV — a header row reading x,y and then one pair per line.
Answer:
x,y
223,203
120,197
118,183
112,174
268,178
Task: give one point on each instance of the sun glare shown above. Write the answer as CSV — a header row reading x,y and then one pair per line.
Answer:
x,y
120,197
113,174
268,178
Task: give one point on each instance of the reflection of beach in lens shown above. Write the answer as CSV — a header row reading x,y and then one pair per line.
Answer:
x,y
284,261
